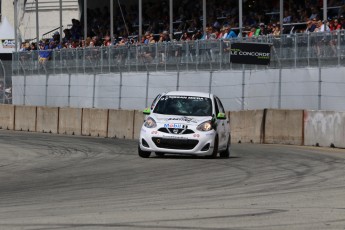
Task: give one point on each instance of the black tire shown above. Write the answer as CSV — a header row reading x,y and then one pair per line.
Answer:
x,y
226,152
158,154
143,154
215,148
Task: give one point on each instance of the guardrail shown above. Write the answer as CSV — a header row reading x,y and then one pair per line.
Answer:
x,y
288,51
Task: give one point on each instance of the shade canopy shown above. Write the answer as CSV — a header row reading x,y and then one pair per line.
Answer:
x,y
6,30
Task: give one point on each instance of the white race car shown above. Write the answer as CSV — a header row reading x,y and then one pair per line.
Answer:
x,y
188,123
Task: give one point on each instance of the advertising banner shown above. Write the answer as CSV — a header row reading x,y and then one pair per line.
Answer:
x,y
250,53
7,43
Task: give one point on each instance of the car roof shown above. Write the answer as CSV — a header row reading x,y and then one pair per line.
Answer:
x,y
189,93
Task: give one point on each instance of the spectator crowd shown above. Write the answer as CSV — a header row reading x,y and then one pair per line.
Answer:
x,y
261,17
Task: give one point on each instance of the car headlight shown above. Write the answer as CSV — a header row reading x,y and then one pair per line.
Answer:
x,y
150,123
205,126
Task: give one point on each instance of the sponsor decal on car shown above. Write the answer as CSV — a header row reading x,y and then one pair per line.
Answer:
x,y
186,119
175,126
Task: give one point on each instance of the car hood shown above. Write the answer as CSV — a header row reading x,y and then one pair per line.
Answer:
x,y
178,119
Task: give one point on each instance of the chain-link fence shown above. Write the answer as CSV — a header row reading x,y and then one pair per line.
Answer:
x,y
288,51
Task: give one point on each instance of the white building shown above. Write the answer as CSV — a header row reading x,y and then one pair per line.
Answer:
x,y
48,13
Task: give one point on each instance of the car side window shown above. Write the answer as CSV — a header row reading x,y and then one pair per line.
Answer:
x,y
216,105
220,105
155,101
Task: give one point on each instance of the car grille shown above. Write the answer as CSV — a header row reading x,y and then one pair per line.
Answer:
x,y
176,131
174,143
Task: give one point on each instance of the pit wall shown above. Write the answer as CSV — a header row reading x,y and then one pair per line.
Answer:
x,y
268,126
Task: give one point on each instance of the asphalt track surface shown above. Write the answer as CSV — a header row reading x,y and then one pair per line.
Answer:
x,y
66,182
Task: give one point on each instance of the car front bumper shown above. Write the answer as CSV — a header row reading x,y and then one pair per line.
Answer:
x,y
198,143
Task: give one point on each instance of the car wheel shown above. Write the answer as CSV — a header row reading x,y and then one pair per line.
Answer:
x,y
158,154
143,154
215,148
226,152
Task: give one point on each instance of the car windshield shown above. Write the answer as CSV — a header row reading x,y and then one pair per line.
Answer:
x,y
184,105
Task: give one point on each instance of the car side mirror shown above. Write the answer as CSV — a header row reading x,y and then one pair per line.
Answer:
x,y
221,116
147,111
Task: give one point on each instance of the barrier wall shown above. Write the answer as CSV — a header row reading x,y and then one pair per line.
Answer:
x,y
7,117
47,119
325,128
95,122
246,126
70,121
25,118
284,127
296,127
120,124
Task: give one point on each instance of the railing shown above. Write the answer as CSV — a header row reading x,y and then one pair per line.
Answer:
x,y
288,51
50,33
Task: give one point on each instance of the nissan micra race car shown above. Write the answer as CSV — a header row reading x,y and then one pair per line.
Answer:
x,y
188,123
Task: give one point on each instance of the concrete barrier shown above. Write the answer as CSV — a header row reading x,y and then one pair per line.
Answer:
x,y
70,121
47,119
95,122
7,117
139,118
246,126
121,123
284,127
324,128
25,118
296,127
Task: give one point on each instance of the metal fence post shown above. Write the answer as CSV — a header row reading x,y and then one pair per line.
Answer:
x,y
243,85
156,59
308,48
94,90
338,48
197,54
280,88
69,90
76,60
46,93
109,59
101,61
178,81
220,53
165,56
120,90
296,50
54,62
24,93
319,90
84,61
136,58
186,55
210,82
147,88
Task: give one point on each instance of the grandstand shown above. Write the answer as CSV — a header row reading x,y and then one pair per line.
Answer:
x,y
185,17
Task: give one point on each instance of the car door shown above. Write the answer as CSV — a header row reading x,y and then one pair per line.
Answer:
x,y
223,125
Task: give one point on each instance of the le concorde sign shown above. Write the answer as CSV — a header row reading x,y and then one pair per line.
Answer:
x,y
250,53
